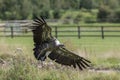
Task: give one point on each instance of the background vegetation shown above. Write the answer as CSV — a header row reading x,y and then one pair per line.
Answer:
x,y
78,10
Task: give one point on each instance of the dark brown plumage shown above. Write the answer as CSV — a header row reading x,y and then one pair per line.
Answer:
x,y
46,44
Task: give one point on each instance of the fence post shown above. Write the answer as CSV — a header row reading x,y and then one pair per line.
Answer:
x,y
12,34
56,32
102,30
79,32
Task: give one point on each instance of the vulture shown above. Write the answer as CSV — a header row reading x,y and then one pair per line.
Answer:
x,y
46,45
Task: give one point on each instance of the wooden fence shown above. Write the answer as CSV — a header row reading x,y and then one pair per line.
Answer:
x,y
99,31
66,31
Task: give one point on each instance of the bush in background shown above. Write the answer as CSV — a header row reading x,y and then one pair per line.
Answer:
x,y
103,13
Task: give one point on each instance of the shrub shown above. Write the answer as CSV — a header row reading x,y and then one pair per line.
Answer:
x,y
56,14
103,13
45,13
117,13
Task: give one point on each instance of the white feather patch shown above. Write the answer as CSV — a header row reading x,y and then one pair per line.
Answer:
x,y
57,42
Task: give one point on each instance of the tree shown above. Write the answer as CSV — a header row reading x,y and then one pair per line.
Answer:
x,y
6,9
41,8
25,9
117,13
113,4
103,13
56,14
87,4
15,9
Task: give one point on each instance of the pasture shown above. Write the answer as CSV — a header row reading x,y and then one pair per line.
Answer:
x,y
17,61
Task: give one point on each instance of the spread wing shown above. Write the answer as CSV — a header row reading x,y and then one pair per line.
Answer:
x,y
41,31
62,56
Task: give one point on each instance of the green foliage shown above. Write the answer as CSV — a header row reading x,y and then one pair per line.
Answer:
x,y
26,9
113,4
117,15
56,14
106,14
82,16
87,4
44,13
15,9
103,13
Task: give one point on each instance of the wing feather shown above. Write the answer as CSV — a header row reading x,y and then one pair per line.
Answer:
x,y
65,57
79,66
39,20
41,31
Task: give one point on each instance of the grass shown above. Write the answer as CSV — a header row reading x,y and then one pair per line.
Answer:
x,y
20,63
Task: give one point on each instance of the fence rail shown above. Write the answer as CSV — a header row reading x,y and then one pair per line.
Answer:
x,y
67,31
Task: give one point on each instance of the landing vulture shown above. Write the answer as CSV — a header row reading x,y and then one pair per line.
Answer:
x,y
48,46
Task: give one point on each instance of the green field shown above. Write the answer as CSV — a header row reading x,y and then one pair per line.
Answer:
x,y
20,64
17,61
